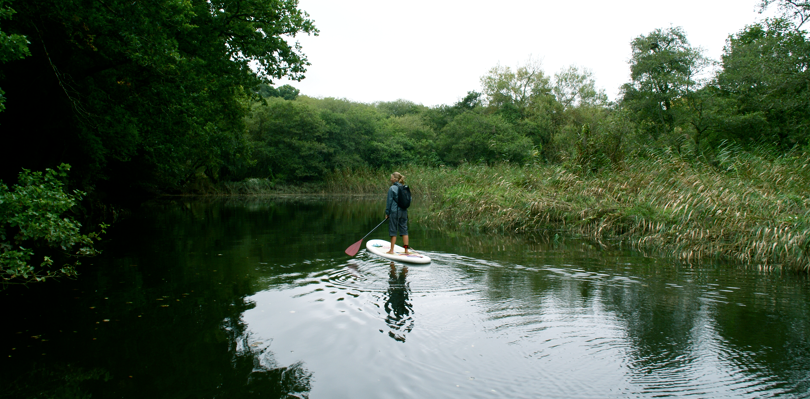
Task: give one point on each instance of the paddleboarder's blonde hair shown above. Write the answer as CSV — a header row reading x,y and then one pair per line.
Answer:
x,y
400,178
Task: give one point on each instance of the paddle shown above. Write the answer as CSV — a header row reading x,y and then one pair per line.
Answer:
x,y
352,250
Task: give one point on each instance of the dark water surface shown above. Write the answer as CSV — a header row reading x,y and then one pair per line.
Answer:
x,y
256,298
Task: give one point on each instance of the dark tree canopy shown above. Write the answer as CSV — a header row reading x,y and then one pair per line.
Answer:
x,y
12,46
148,92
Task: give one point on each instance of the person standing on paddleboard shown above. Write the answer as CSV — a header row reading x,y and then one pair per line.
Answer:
x,y
397,218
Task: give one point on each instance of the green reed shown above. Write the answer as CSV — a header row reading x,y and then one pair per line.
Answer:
x,y
750,207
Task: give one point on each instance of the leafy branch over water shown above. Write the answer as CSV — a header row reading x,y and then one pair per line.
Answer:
x,y
32,216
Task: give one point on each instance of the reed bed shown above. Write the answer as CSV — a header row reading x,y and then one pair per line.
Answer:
x,y
263,187
246,187
751,208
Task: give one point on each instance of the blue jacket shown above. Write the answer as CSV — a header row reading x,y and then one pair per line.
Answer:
x,y
391,206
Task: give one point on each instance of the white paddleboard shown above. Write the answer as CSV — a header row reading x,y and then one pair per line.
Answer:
x,y
381,247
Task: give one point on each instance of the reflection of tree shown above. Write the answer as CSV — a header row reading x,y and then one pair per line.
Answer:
x,y
677,324
398,308
255,373
660,325
54,381
176,355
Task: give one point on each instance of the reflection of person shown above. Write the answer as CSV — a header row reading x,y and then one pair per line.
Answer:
x,y
398,307
397,218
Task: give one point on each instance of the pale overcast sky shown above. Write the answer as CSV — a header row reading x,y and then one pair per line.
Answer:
x,y
433,52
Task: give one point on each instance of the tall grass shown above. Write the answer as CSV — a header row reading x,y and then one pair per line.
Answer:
x,y
750,207
358,181
753,207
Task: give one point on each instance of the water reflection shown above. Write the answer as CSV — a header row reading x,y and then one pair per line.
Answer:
x,y
398,307
257,298
255,372
257,375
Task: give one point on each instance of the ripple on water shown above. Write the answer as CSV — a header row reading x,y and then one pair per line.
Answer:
x,y
563,330
369,273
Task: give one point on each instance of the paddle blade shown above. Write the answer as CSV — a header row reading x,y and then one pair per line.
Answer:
x,y
352,250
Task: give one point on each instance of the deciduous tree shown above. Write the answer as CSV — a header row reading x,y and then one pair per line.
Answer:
x,y
289,139
38,239
473,137
147,91
514,93
766,75
663,68
795,10
12,46
573,87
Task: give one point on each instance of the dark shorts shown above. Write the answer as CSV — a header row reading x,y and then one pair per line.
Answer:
x,y
398,224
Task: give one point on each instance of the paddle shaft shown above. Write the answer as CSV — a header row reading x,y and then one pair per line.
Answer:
x,y
372,230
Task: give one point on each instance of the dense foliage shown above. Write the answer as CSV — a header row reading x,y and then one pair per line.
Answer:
x,y
34,214
12,46
140,95
765,81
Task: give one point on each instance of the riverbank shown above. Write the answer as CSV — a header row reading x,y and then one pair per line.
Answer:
x,y
750,208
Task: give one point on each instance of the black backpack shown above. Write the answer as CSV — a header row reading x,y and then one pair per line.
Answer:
x,y
403,197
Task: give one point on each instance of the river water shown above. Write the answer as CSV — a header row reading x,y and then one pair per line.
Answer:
x,y
255,298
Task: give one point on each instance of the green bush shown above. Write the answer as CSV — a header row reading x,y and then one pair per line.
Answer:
x,y
288,141
33,227
473,137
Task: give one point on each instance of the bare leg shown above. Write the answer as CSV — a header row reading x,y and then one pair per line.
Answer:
x,y
405,240
393,242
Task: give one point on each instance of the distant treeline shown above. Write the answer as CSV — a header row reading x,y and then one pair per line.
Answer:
x,y
162,96
756,96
